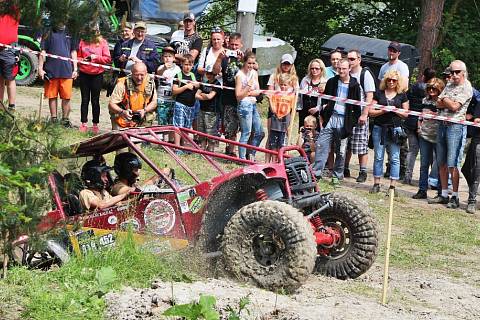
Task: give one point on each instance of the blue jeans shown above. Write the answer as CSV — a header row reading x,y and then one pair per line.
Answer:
x,y
427,150
249,119
450,142
332,133
379,150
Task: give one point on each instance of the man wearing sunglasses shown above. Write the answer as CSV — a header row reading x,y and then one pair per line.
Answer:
x,y
453,103
393,52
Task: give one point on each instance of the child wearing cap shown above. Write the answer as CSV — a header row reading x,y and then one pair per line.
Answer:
x,y
165,101
207,118
281,105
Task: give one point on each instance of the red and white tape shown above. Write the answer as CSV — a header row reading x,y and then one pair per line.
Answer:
x,y
268,92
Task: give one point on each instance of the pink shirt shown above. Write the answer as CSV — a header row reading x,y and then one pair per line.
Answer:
x,y
101,52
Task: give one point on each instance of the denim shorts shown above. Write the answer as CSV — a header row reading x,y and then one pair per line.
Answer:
x,y
449,144
165,112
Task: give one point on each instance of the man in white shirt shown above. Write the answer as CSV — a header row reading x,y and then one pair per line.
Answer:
x,y
358,142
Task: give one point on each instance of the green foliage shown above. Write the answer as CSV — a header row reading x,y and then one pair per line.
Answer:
x,y
25,160
203,309
75,290
234,314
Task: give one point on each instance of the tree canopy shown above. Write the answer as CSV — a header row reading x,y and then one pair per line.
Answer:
x,y
307,24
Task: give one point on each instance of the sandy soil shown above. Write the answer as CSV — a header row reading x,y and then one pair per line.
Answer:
x,y
412,295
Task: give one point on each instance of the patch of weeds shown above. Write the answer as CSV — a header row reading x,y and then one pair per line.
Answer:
x,y
235,313
75,290
363,289
203,309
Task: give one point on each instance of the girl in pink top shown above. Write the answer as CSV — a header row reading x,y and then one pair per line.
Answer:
x,y
91,77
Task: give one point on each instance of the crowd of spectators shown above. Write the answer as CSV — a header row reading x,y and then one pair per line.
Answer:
x,y
188,94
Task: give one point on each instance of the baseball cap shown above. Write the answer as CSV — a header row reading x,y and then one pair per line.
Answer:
x,y
140,24
395,46
287,58
127,25
189,16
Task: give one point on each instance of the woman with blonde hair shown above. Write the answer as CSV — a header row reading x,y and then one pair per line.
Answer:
x,y
387,129
427,135
314,82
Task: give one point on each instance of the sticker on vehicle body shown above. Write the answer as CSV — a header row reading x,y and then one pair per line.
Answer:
x,y
130,223
196,204
112,220
159,217
183,200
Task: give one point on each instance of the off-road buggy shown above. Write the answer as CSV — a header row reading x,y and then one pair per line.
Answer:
x,y
266,222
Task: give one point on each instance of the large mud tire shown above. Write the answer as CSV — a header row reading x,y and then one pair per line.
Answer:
x,y
269,244
358,249
27,69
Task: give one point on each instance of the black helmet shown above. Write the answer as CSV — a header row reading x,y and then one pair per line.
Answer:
x,y
92,174
124,165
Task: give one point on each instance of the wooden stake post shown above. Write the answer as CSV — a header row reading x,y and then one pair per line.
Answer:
x,y
387,250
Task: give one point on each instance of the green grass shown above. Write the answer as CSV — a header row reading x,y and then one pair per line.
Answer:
x,y
428,238
75,290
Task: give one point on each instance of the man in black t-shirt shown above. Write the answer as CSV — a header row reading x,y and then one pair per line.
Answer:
x,y
191,42
228,63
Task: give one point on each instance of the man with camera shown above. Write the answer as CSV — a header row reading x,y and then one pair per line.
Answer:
x,y
229,63
134,99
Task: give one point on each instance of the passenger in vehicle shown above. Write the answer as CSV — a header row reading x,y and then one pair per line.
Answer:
x,y
127,167
95,178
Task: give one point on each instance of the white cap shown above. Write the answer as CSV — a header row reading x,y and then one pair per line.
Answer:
x,y
287,58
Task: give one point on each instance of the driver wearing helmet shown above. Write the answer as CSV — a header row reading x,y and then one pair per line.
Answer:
x,y
127,167
95,176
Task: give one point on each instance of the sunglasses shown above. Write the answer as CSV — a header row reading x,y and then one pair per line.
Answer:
x,y
392,80
455,72
432,88
216,30
352,59
314,68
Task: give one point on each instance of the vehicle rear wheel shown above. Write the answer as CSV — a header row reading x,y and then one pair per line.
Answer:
x,y
357,249
27,69
271,244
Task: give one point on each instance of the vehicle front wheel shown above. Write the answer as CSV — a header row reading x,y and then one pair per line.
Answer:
x,y
357,248
271,244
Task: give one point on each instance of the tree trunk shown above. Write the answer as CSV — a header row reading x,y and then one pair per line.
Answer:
x,y
430,20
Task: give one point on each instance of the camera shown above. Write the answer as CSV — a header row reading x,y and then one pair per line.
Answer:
x,y
231,53
303,130
136,117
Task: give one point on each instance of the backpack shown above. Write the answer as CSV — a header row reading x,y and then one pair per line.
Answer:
x,y
362,78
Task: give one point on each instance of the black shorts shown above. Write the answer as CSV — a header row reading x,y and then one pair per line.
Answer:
x,y
7,62
276,140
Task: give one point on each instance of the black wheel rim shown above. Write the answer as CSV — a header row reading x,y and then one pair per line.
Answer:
x,y
268,247
339,249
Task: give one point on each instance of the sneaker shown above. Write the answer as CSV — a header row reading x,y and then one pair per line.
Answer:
x,y
421,194
66,123
438,199
346,173
362,176
327,173
454,203
53,120
11,107
375,188
95,129
471,207
83,127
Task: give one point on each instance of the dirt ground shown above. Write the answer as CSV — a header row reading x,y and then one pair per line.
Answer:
x,y
413,294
